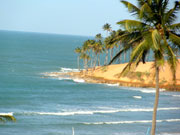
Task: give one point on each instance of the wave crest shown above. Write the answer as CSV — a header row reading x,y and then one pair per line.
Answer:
x,y
131,122
97,111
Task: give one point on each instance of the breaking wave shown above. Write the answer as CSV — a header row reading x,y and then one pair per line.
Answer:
x,y
131,122
66,70
7,114
137,97
116,84
78,80
96,111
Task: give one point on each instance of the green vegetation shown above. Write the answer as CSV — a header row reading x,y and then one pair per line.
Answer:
x,y
154,30
4,118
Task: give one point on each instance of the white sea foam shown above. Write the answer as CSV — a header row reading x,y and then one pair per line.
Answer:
x,y
116,84
137,97
79,80
91,112
176,95
65,70
59,113
143,90
64,78
7,114
169,133
51,74
130,122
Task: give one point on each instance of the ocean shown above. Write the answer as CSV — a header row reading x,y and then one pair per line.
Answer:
x,y
60,106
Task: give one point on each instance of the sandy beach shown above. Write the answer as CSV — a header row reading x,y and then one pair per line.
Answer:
x,y
142,76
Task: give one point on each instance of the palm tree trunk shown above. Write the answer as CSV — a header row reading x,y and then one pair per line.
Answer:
x,y
98,59
95,60
153,130
106,59
92,59
111,53
120,55
78,63
124,57
84,63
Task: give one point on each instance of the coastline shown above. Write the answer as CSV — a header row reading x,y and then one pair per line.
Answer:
x,y
143,76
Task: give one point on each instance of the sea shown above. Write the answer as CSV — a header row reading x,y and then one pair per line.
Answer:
x,y
62,106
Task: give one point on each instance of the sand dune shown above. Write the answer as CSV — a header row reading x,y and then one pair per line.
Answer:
x,y
142,76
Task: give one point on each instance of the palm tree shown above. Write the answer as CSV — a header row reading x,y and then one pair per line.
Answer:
x,y
154,30
112,44
98,37
107,41
107,27
78,51
90,45
85,58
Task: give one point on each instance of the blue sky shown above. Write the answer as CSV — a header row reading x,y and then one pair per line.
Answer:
x,y
74,17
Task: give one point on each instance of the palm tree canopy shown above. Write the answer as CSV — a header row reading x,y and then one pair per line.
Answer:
x,y
107,27
98,37
154,31
77,50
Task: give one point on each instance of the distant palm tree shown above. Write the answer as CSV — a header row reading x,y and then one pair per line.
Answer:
x,y
85,58
153,31
112,44
115,40
78,51
99,45
98,37
107,27
90,45
107,47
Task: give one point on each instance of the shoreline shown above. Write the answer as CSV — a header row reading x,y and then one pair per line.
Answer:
x,y
143,76
100,80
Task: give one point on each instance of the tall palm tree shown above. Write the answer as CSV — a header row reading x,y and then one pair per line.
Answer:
x,y
107,47
154,30
112,44
99,46
85,58
78,51
90,45
106,27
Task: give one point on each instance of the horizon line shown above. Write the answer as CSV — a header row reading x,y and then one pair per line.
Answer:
x,y
44,33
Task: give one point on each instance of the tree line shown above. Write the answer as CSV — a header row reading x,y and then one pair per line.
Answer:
x,y
92,49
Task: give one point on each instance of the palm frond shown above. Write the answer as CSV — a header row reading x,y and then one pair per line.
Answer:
x,y
137,50
156,37
132,25
172,60
126,47
175,26
170,16
131,65
149,2
145,11
174,38
132,8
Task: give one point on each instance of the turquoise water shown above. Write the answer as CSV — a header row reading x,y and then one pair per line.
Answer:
x,y
51,106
